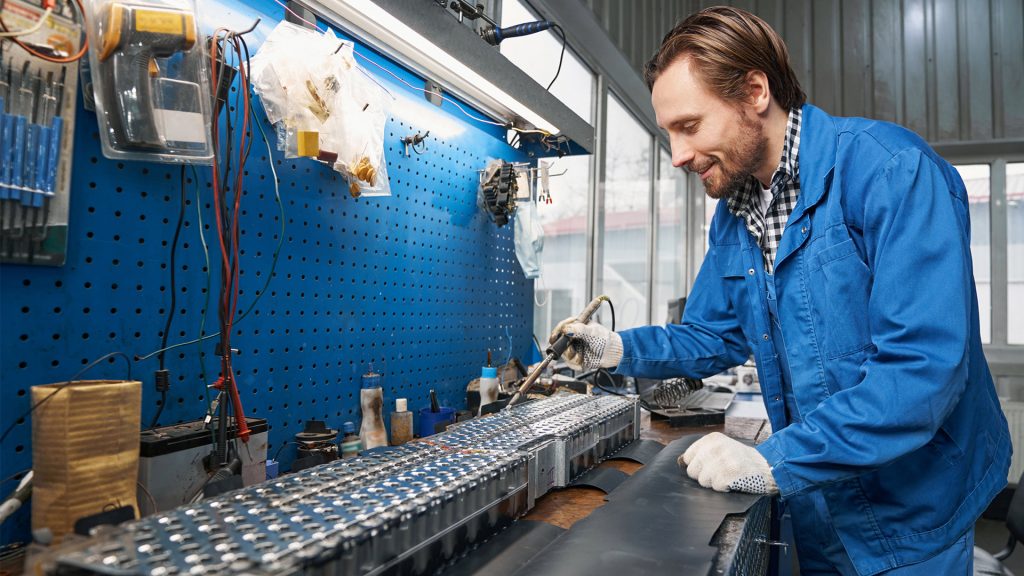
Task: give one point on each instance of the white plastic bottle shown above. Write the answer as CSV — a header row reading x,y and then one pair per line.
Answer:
x,y
488,387
371,400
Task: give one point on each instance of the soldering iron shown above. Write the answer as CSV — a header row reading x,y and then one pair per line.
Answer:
x,y
555,351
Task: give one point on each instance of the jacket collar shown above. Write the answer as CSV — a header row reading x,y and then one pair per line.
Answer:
x,y
818,142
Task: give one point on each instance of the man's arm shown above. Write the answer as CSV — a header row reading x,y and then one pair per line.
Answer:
x,y
919,317
709,341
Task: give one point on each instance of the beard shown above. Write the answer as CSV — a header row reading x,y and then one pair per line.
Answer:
x,y
746,154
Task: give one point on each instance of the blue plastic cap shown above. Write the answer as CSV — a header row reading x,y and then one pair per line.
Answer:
x,y
371,380
348,428
489,372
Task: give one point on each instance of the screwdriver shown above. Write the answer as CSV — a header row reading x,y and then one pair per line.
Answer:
x,y
51,141
556,350
5,142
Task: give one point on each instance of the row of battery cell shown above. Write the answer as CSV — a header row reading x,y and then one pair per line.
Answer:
x,y
408,510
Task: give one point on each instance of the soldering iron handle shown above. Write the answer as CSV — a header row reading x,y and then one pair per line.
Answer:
x,y
559,347
562,344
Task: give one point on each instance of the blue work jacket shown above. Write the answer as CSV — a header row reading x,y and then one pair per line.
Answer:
x,y
894,416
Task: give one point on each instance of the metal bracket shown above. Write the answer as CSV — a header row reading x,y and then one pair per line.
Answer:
x,y
433,92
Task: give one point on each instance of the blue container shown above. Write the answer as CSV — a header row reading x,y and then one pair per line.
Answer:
x,y
428,420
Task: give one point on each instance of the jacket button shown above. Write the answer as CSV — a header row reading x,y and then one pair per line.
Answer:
x,y
803,230
765,336
777,398
751,271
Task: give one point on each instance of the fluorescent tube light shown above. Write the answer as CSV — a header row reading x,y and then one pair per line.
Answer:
x,y
375,26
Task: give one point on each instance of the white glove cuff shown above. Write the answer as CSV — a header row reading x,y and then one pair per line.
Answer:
x,y
612,351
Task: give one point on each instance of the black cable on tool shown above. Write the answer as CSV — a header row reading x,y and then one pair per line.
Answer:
x,y
71,381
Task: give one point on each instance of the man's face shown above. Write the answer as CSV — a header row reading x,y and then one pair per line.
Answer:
x,y
723,142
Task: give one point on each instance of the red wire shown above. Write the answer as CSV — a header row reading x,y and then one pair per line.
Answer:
x,y
230,265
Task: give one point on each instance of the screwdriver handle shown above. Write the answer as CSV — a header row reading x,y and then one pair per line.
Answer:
x,y
53,155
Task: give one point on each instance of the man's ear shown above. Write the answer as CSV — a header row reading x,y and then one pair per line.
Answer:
x,y
759,94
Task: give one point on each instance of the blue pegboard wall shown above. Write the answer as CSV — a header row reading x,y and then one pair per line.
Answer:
x,y
420,283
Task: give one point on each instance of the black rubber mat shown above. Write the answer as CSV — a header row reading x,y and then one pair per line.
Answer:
x,y
642,451
659,522
604,479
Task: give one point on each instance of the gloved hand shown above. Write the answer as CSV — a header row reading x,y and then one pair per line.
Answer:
x,y
591,346
726,465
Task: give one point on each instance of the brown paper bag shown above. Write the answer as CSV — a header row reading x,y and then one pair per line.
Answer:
x,y
85,451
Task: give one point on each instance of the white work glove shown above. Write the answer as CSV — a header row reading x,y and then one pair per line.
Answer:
x,y
591,346
719,462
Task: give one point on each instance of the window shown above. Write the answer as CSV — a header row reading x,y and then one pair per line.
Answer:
x,y
625,274
537,55
670,259
1015,252
976,178
561,290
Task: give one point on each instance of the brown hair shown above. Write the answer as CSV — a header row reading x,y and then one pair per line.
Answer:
x,y
724,44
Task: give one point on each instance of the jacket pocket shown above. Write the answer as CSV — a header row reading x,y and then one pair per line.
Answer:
x,y
841,288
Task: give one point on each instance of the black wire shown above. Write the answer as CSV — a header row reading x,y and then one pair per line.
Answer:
x,y
560,56
15,476
606,374
159,410
174,290
283,446
612,308
67,383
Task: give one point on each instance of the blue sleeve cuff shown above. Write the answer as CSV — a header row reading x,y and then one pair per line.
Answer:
x,y
777,461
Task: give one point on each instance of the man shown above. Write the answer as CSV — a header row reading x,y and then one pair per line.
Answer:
x,y
840,258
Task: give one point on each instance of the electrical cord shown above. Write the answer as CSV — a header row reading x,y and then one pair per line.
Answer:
x,y
206,292
30,30
273,264
67,383
227,203
152,501
15,476
560,57
282,447
162,376
65,60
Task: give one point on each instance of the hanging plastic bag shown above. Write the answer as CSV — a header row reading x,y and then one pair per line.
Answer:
x,y
323,105
529,238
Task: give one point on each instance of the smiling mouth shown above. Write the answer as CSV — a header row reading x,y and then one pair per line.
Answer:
x,y
704,173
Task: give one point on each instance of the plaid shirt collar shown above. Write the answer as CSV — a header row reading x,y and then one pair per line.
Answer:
x,y
767,227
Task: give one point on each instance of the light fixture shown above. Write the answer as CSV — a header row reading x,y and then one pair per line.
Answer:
x,y
377,27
